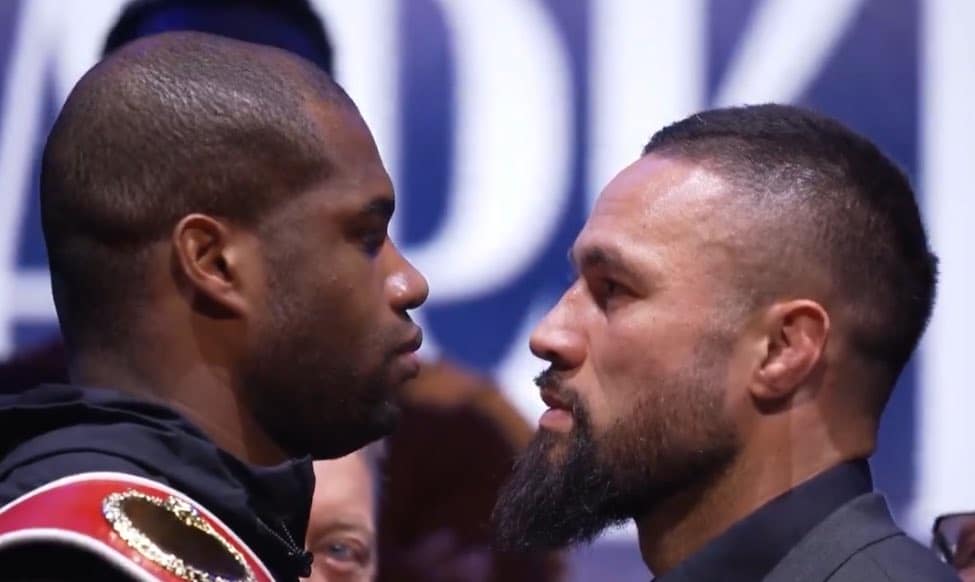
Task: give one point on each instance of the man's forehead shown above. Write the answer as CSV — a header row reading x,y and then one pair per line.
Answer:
x,y
357,176
347,196
356,203
656,183
654,203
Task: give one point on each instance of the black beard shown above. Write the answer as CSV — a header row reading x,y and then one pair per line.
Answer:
x,y
560,497
546,505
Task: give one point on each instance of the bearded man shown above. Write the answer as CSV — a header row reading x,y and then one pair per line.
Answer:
x,y
748,292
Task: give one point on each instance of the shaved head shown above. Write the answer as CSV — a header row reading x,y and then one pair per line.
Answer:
x,y
216,215
167,126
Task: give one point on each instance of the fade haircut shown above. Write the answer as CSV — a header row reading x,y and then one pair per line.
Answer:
x,y
170,125
825,201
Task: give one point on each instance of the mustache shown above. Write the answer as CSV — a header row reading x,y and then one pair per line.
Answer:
x,y
553,381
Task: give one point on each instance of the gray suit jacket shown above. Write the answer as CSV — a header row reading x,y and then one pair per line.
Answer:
x,y
859,542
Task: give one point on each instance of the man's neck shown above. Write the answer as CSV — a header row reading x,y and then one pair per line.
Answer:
x,y
686,522
205,394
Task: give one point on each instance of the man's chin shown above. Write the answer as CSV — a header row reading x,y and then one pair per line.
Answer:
x,y
558,494
352,435
382,422
401,368
387,419
554,447
349,445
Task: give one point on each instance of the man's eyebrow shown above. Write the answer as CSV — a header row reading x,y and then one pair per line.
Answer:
x,y
596,257
345,526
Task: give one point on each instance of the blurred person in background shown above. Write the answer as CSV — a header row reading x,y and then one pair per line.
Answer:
x,y
434,513
342,524
748,292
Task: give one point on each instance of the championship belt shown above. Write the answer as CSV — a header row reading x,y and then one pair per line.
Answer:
x,y
139,529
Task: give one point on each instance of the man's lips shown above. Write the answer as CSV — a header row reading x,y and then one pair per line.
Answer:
x,y
559,416
551,398
407,357
413,343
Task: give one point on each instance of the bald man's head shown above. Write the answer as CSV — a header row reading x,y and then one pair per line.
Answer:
x,y
171,125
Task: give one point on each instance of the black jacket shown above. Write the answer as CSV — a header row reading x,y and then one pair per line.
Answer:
x,y
861,543
53,431
831,527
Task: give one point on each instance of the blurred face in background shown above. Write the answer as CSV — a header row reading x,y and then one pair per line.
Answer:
x,y
342,525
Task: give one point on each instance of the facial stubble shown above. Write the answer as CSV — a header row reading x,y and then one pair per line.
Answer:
x,y
304,387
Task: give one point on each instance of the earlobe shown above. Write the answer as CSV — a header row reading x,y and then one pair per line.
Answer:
x,y
205,253
796,340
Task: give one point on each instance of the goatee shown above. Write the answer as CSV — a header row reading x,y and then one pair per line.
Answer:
x,y
548,504
568,488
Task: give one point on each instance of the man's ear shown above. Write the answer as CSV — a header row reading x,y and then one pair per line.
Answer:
x,y
796,334
208,258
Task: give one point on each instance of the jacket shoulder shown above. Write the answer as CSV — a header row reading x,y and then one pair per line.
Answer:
x,y
895,559
860,541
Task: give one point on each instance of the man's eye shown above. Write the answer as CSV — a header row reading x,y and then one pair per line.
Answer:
x,y
606,291
607,288
340,551
346,554
373,242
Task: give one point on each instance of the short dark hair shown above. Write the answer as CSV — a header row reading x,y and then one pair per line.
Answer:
x,y
847,210
167,126
299,13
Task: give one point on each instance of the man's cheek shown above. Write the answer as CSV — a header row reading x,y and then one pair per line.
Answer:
x,y
611,395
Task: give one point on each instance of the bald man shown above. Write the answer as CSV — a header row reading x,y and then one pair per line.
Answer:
x,y
215,215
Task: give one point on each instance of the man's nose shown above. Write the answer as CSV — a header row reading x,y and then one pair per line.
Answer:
x,y
556,338
406,287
